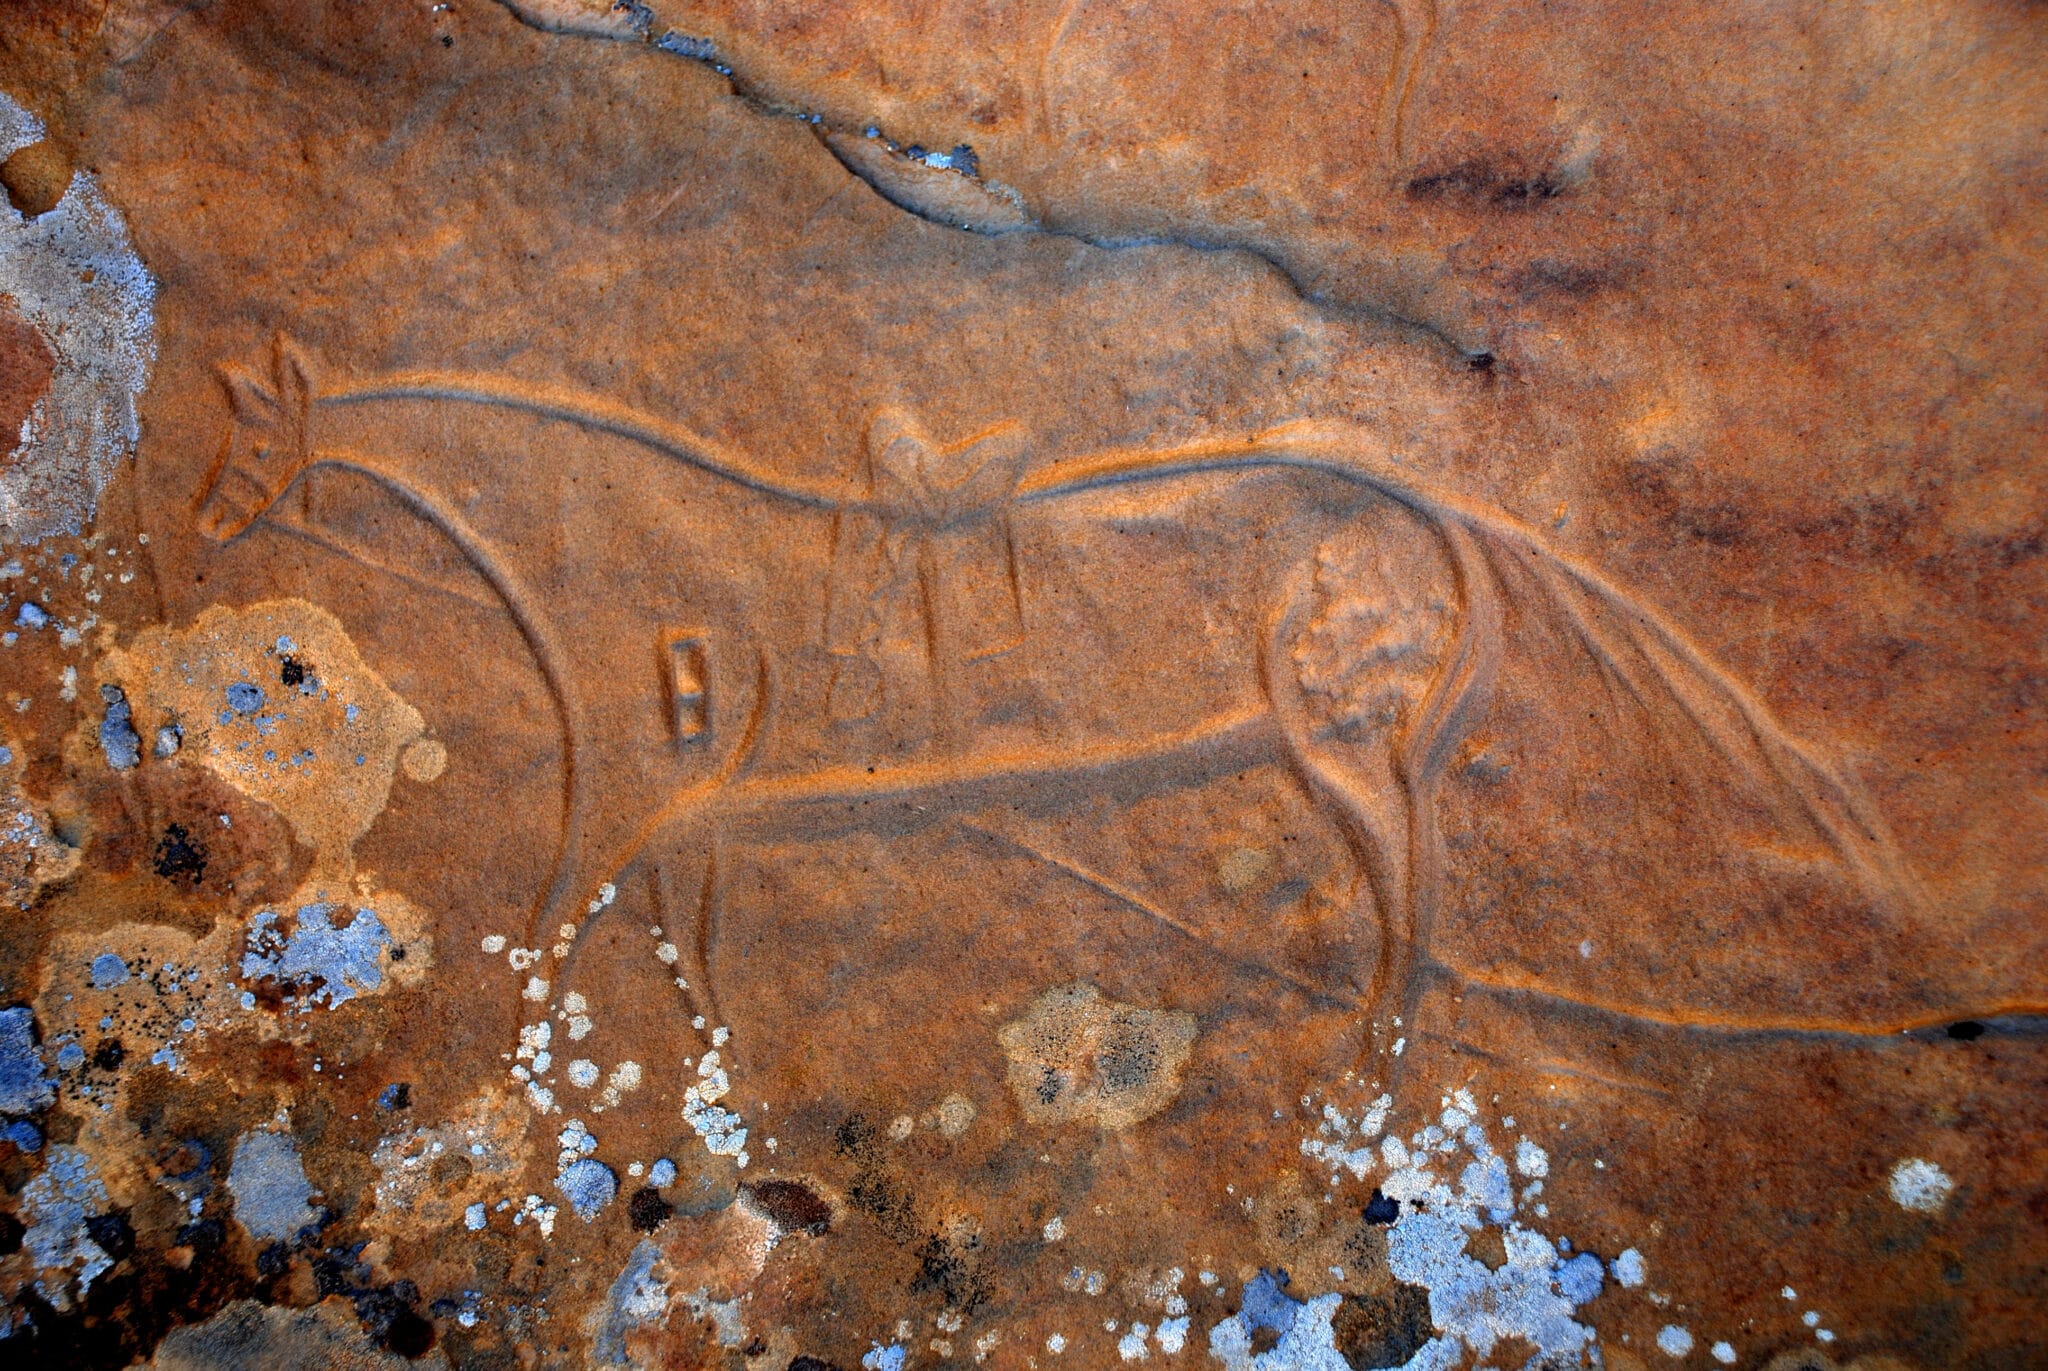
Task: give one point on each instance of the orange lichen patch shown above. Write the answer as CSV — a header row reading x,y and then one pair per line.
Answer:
x,y
274,698
31,855
428,1177
26,365
121,1006
1077,1057
720,1256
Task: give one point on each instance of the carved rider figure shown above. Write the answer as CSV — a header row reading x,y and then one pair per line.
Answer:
x,y
923,569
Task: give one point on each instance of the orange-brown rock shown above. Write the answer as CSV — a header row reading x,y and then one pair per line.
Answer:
x,y
1055,684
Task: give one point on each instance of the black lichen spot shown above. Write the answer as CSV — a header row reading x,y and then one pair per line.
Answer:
x,y
395,1096
854,1136
1385,1328
1479,361
180,856
793,1206
111,1233
1129,1060
291,671
1966,1030
272,1260
109,1055
950,1269
648,1210
1381,1210
804,1361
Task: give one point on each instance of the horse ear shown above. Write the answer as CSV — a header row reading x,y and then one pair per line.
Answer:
x,y
267,445
993,461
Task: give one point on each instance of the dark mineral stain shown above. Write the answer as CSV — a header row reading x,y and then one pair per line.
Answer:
x,y
804,1361
11,1233
111,1233
648,1210
386,1312
180,856
1381,1210
1385,1328
1501,186
854,1137
795,1207
203,1235
409,1335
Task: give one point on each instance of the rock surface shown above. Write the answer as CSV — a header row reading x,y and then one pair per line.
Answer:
x,y
815,685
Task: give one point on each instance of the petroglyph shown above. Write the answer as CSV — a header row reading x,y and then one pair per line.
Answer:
x,y
1056,684
1368,674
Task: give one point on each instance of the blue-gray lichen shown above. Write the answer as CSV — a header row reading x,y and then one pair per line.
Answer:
x,y
25,1085
636,1300
268,1181
118,738
321,958
57,1202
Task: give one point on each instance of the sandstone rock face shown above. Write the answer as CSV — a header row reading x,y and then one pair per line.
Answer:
x,y
820,685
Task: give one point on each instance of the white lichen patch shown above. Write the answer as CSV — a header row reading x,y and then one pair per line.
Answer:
x,y
723,1131
1920,1186
623,1081
1076,1057
1339,1142
71,277
1448,1183
430,1177
275,700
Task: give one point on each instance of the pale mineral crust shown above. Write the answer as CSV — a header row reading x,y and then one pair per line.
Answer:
x,y
812,686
